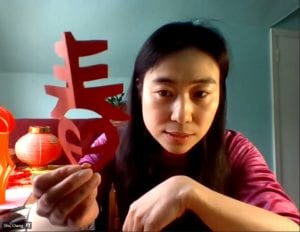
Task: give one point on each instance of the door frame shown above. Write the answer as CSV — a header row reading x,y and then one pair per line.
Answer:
x,y
275,33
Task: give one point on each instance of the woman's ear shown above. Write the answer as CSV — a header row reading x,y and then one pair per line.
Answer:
x,y
139,86
137,82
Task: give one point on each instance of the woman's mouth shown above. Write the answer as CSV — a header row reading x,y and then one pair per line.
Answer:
x,y
177,137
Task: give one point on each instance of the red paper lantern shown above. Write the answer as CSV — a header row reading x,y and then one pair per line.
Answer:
x,y
38,147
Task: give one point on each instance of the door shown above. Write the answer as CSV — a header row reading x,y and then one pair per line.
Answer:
x,y
285,67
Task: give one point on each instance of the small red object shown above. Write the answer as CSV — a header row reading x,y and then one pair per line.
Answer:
x,y
7,121
38,147
19,177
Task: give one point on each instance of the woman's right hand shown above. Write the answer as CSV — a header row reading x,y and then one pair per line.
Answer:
x,y
67,196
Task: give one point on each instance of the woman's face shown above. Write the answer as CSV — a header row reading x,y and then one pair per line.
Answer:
x,y
180,97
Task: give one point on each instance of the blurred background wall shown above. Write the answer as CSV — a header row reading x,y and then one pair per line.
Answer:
x,y
29,29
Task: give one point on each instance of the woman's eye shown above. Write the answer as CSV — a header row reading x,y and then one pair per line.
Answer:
x,y
164,93
200,94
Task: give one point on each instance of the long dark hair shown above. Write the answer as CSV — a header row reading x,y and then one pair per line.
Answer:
x,y
207,160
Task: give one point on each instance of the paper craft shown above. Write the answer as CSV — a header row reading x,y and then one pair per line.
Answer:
x,y
76,95
7,123
102,125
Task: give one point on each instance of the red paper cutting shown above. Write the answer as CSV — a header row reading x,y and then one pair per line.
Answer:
x,y
76,95
101,126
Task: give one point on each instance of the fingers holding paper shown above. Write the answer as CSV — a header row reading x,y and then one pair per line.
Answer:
x,y
67,196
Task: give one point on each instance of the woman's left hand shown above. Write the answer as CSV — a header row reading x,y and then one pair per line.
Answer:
x,y
160,206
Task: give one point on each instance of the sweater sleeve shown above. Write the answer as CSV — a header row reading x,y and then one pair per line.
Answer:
x,y
95,157
252,180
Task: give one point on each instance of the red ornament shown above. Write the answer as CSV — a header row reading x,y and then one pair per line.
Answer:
x,y
7,123
38,147
7,120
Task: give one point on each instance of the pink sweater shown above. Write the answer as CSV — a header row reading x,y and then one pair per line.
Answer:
x,y
254,182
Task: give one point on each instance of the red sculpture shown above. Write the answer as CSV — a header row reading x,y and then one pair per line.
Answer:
x,y
76,95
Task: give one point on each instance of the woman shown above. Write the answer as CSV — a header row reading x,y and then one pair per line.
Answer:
x,y
176,167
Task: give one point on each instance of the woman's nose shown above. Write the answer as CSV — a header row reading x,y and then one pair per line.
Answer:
x,y
182,109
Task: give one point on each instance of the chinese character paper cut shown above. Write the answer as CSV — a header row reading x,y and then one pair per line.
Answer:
x,y
76,95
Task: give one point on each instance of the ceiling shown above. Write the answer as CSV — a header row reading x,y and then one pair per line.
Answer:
x,y
29,29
